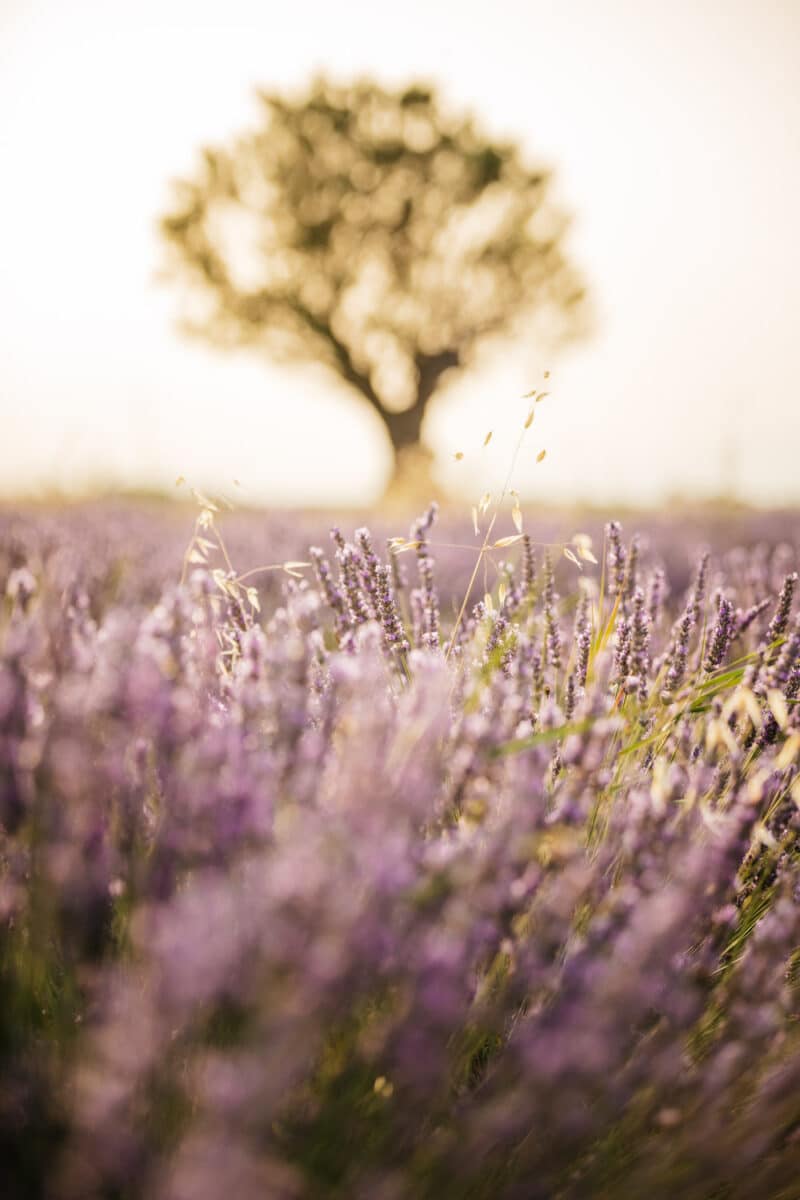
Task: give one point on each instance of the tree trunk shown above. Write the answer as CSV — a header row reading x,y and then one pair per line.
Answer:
x,y
404,428
412,479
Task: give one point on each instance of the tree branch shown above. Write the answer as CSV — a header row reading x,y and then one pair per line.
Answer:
x,y
429,369
345,365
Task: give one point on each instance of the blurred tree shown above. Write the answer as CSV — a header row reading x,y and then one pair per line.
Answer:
x,y
371,231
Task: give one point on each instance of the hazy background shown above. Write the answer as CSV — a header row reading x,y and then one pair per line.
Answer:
x,y
673,132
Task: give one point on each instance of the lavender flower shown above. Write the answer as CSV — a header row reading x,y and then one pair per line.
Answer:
x,y
656,595
429,636
528,565
552,631
616,558
721,635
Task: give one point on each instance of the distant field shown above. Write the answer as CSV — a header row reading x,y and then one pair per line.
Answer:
x,y
142,543
432,867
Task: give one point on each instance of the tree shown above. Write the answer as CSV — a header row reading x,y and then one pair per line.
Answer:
x,y
371,231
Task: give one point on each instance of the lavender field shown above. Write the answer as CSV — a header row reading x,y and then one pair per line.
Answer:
x,y
398,870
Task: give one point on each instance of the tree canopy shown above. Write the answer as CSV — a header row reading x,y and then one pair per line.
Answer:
x,y
375,232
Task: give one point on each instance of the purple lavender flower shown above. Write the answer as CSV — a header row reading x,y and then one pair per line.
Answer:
x,y
552,641
616,558
429,636
721,635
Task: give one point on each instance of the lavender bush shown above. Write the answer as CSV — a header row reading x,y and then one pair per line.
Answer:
x,y
316,882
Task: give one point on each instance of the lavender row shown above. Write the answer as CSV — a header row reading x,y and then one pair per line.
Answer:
x,y
319,883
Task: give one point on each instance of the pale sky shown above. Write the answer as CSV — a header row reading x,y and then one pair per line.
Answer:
x,y
674,133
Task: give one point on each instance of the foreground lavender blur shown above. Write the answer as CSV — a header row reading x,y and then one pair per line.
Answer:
x,y
334,898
